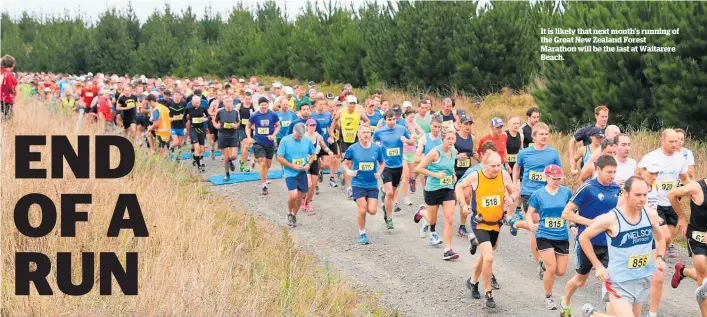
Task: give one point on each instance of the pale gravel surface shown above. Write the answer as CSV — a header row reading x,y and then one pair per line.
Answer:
x,y
408,274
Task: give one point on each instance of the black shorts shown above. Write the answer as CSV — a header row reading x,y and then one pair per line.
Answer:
x,y
196,137
128,119
668,215
314,168
437,197
226,142
694,247
524,202
559,246
391,175
144,121
486,236
265,151
345,146
584,266
334,147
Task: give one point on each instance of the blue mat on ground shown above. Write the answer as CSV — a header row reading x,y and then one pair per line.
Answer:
x,y
326,171
188,156
243,177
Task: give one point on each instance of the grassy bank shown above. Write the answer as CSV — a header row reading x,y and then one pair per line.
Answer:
x,y
204,257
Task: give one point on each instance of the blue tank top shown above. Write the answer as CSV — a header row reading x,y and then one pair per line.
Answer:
x,y
443,164
630,252
463,146
430,143
587,154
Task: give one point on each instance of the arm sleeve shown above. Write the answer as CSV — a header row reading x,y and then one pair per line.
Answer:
x,y
155,115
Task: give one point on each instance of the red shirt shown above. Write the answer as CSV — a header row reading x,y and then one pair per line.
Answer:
x,y
500,143
9,86
87,95
104,108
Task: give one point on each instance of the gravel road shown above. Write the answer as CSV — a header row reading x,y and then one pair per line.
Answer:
x,y
409,274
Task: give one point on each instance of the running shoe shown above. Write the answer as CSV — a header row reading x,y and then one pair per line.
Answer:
x,y
494,282
588,310
362,239
424,228
417,216
671,252
450,255
512,226
462,232
389,223
332,183
550,303
675,282
396,208
474,288
566,310
541,269
244,168
701,292
317,190
349,192
434,239
265,190
290,220
407,201
490,303
413,185
227,177
294,220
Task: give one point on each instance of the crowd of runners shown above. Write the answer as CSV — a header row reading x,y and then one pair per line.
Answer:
x,y
621,217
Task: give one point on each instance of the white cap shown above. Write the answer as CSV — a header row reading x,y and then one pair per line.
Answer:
x,y
178,82
90,74
288,90
277,84
82,78
351,99
407,104
241,80
47,89
142,77
653,168
248,91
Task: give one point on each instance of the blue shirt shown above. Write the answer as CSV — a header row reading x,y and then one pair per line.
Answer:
x,y
549,207
63,85
364,161
296,152
285,120
300,120
533,163
375,118
430,143
593,200
263,126
401,122
324,121
389,138
155,115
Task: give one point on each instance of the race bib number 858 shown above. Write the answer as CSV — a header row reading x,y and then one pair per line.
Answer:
x,y
638,261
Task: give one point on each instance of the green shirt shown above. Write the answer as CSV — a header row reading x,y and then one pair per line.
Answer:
x,y
444,164
424,123
299,102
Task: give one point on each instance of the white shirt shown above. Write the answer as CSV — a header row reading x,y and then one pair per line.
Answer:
x,y
625,170
671,169
688,156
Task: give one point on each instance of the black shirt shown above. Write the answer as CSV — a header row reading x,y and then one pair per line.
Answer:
x,y
128,101
176,112
583,135
228,120
527,135
244,114
196,113
698,214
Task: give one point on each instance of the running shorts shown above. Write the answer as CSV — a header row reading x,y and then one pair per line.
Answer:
x,y
437,197
298,182
345,146
667,213
634,291
128,119
178,131
390,174
524,203
197,137
486,236
226,142
584,266
265,151
334,147
368,193
409,157
314,168
695,247
559,246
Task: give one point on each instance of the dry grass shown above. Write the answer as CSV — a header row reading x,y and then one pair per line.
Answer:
x,y
203,256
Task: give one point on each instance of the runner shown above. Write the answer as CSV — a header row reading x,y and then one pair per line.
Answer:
x,y
177,109
429,142
423,116
593,199
245,110
409,152
630,231
449,119
348,119
533,115
8,86
601,114
360,163
227,121
263,126
196,117
126,105
286,117
392,137
673,169
694,231
438,166
161,125
319,147
597,135
374,116
607,147
551,231
324,119
295,154
499,138
465,148
493,192
687,153
515,141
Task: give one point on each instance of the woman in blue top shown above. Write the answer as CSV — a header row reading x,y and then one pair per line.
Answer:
x,y
551,231
428,142
438,166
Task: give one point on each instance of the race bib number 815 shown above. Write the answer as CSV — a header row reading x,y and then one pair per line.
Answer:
x,y
554,223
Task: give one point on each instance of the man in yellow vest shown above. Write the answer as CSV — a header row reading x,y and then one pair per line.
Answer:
x,y
348,119
161,126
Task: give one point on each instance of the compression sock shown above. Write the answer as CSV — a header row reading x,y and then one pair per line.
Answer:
x,y
432,227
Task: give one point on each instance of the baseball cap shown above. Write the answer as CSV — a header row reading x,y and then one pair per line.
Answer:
x,y
407,104
249,91
263,99
288,90
596,132
163,86
330,95
351,99
496,122
167,93
241,80
197,92
653,168
277,84
465,119
311,121
311,84
554,171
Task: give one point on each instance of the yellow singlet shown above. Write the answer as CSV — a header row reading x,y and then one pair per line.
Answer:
x,y
489,201
349,125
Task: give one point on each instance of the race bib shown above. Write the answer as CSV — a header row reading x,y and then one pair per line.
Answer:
x,y
531,144
298,162
449,124
198,120
285,124
512,158
244,121
227,125
667,185
490,201
393,151
130,104
554,223
263,130
367,166
464,163
698,236
638,261
178,117
89,94
537,176
447,180
349,135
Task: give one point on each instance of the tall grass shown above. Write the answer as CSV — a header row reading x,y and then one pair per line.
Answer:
x,y
204,257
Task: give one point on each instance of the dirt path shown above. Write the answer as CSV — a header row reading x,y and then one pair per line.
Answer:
x,y
409,274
